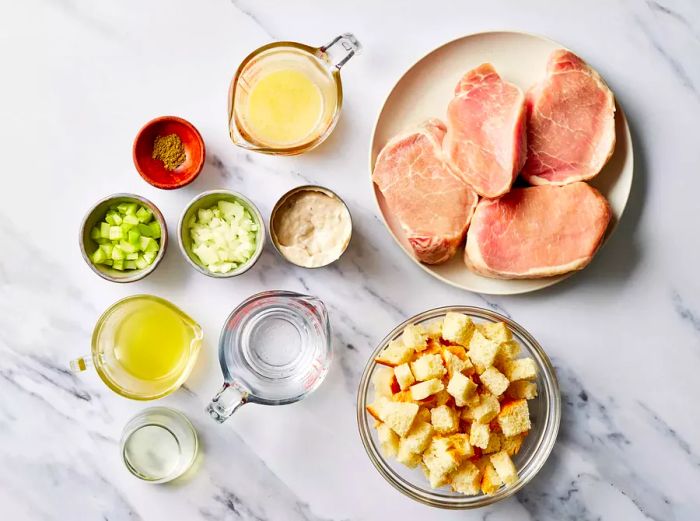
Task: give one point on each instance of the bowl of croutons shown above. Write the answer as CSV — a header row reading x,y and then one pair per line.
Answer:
x,y
458,407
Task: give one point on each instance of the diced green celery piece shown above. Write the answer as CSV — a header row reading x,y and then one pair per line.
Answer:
x,y
102,241
144,242
132,256
125,226
115,233
144,215
131,219
107,248
117,253
108,262
129,265
133,236
155,229
99,256
149,256
152,246
104,230
118,265
141,263
127,247
127,208
110,218
95,233
145,230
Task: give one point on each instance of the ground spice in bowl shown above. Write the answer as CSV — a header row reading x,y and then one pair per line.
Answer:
x,y
170,150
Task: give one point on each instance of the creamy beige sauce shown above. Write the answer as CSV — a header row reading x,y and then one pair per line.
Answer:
x,y
312,228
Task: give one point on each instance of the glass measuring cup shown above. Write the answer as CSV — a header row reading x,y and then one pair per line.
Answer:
x,y
275,349
319,65
143,347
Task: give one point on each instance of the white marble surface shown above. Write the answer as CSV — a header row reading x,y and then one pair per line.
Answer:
x,y
80,77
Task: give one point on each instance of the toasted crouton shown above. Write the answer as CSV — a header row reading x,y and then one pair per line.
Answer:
x,y
454,362
522,389
396,353
383,380
514,418
415,336
408,458
427,367
388,440
441,460
493,380
423,414
461,388
496,331
520,369
487,409
508,349
467,479
434,329
444,419
479,435
490,480
422,390
513,444
404,377
402,396
457,328
504,467
397,415
378,407
482,351
418,438
460,443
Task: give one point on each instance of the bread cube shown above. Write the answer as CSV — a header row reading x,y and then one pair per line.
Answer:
x,y
408,458
479,435
404,376
396,353
467,479
397,415
415,336
513,444
514,418
482,351
378,407
495,443
496,331
493,380
434,329
422,390
461,388
423,414
487,409
460,443
457,328
521,389
456,363
427,367
388,440
418,438
520,369
444,419
402,396
508,349
441,460
504,467
490,480
383,380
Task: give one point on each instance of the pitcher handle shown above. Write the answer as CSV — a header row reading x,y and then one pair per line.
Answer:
x,y
80,364
226,402
350,46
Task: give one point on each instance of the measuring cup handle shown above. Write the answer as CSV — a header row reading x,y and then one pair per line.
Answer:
x,y
349,47
79,365
226,402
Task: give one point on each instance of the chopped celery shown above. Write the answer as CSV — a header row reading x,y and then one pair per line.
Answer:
x,y
129,265
131,219
132,256
115,233
117,253
149,256
107,248
104,230
99,256
155,229
127,247
127,208
144,215
95,233
145,230
147,244
118,265
134,236
141,263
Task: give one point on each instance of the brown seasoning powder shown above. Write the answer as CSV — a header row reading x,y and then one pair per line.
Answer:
x,y
170,150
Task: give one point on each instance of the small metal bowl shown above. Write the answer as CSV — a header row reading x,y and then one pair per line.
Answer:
x,y
280,203
207,200
88,246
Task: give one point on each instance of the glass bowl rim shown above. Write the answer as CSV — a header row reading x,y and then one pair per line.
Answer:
x,y
550,392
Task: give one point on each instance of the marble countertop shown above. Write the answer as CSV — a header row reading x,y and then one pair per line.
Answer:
x,y
81,77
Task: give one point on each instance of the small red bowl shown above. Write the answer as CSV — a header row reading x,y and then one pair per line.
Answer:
x,y
152,170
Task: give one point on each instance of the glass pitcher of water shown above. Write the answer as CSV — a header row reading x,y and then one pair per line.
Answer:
x,y
275,349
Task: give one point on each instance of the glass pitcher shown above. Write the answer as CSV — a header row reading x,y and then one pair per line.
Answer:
x,y
285,97
143,347
275,349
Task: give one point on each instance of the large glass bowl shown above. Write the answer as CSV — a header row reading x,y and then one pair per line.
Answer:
x,y
545,414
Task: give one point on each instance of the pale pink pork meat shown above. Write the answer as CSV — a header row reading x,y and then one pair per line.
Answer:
x,y
570,123
431,203
537,231
485,142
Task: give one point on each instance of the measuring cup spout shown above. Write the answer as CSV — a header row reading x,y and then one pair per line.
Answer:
x,y
226,402
79,365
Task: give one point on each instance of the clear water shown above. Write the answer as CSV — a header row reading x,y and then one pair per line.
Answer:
x,y
152,451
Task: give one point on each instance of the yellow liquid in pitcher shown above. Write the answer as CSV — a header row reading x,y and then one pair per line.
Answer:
x,y
284,108
152,342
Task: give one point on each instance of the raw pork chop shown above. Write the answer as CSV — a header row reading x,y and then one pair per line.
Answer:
x,y
485,141
537,231
571,123
432,204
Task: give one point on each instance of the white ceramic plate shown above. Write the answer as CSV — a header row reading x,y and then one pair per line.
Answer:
x,y
425,90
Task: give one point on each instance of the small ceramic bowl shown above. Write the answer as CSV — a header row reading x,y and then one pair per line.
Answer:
x,y
152,170
280,203
88,246
207,200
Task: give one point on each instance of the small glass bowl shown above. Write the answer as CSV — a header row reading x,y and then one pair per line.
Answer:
x,y
545,415
206,200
